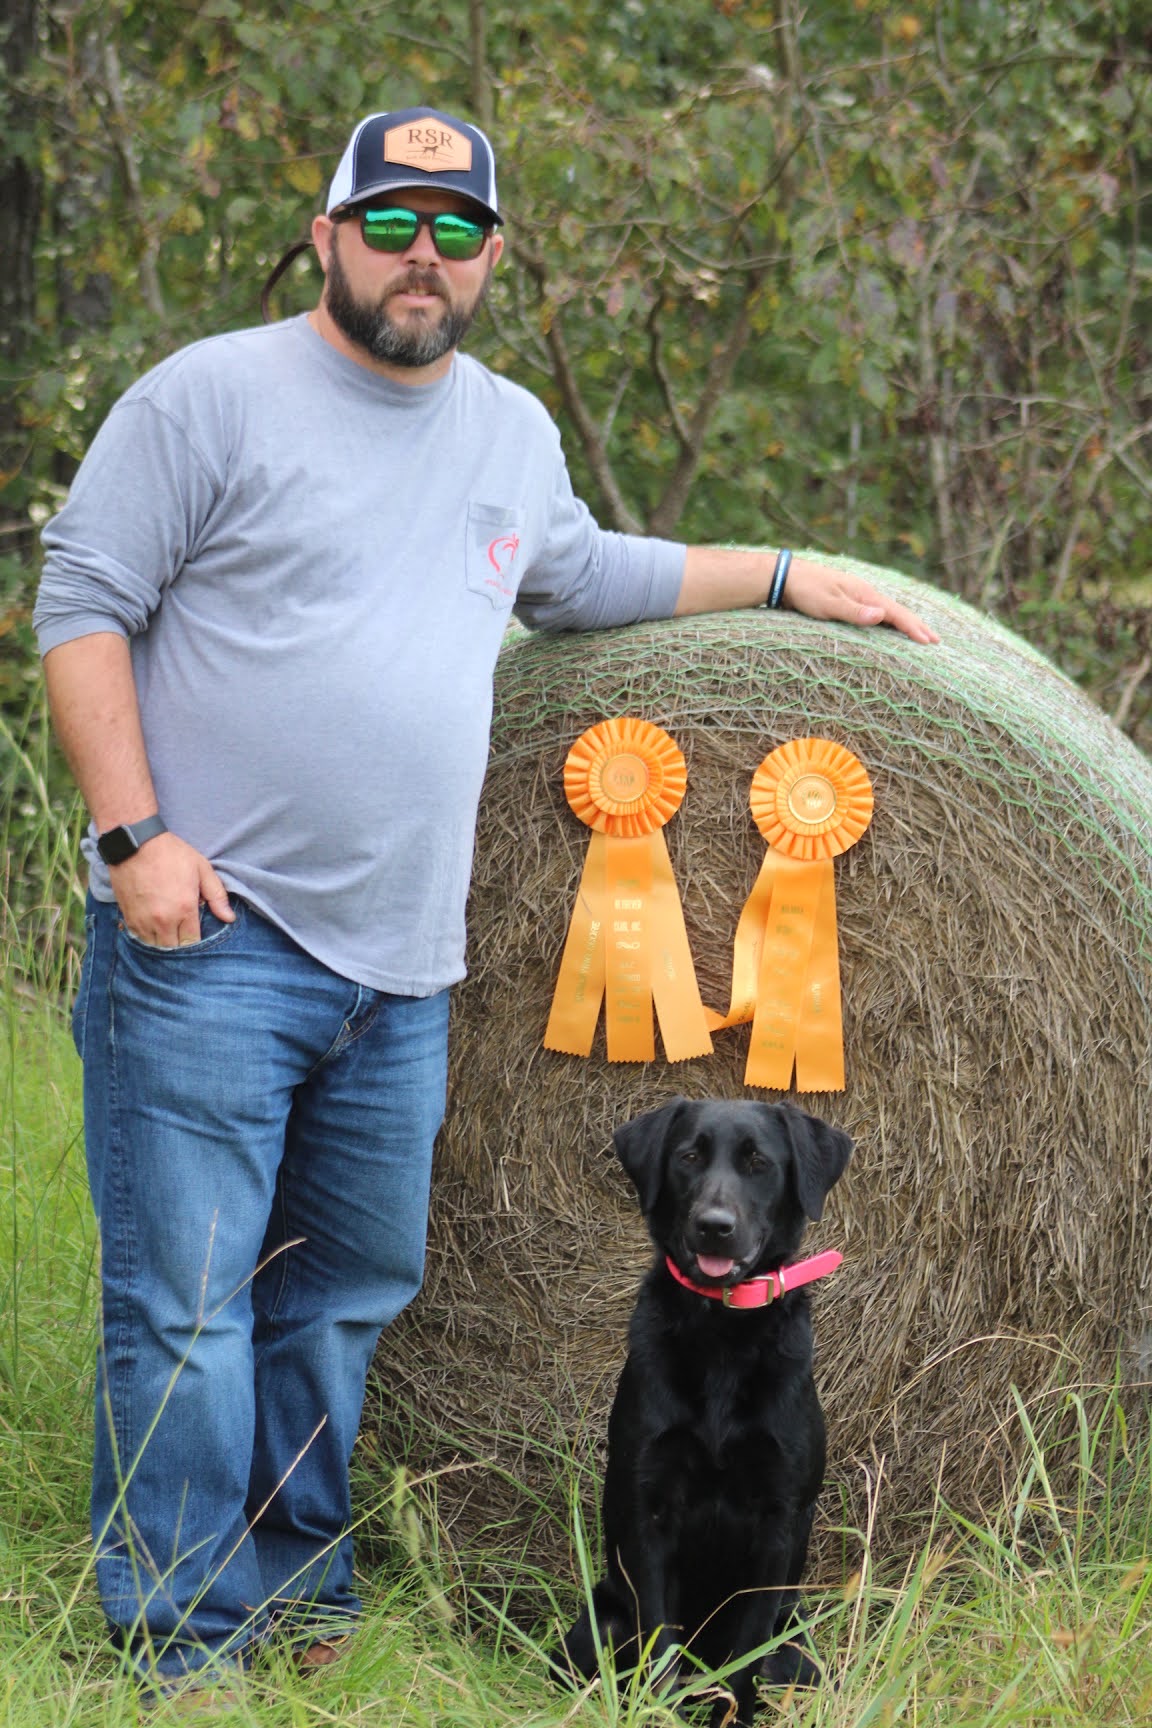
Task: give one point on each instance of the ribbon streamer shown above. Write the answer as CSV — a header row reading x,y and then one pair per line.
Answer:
x,y
811,800
627,946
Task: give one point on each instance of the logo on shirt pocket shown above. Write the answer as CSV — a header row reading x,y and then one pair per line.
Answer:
x,y
492,564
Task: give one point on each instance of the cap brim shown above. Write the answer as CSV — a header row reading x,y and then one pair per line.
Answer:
x,y
366,194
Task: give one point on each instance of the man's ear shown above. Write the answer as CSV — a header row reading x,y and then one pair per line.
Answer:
x,y
820,1155
640,1146
323,228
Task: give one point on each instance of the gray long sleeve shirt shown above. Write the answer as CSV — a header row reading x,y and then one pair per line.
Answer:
x,y
315,567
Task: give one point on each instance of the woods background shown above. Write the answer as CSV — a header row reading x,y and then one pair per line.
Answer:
x,y
865,278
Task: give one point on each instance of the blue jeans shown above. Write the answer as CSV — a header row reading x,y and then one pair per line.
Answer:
x,y
259,1139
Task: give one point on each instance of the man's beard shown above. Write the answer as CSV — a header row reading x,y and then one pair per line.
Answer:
x,y
372,327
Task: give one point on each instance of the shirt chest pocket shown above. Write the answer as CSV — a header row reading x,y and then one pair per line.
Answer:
x,y
492,564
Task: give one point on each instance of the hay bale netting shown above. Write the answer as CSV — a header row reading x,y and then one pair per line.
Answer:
x,y
995,936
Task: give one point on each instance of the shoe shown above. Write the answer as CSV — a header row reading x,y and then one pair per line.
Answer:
x,y
320,1654
206,1702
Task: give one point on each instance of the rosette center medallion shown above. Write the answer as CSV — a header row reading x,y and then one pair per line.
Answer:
x,y
620,783
812,799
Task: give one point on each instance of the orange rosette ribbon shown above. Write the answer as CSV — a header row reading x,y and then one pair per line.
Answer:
x,y
627,946
811,800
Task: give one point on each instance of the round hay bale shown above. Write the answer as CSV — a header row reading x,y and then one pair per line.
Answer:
x,y
995,940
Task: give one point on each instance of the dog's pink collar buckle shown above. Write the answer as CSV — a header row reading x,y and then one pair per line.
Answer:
x,y
758,1292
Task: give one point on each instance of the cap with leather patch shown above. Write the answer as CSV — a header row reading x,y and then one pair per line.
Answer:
x,y
416,147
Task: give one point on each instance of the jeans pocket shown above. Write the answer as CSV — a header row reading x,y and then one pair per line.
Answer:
x,y
84,991
213,933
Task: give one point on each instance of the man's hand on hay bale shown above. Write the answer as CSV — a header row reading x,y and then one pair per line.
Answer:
x,y
721,579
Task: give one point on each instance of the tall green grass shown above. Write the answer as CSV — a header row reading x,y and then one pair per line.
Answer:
x,y
41,895
1041,1615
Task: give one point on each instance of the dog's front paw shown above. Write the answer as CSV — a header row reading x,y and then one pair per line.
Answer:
x,y
576,1658
723,1711
792,1665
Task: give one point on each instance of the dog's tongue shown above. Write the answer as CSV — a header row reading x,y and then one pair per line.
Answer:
x,y
713,1267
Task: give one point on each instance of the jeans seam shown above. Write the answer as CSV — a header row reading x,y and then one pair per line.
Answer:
x,y
123,1442
84,991
345,1039
354,1037
284,1254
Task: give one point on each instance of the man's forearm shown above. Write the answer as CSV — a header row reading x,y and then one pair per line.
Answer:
x,y
720,579
92,695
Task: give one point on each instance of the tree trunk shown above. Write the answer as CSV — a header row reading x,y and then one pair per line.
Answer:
x,y
19,222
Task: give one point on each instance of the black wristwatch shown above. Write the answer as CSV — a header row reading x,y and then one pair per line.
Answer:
x,y
117,845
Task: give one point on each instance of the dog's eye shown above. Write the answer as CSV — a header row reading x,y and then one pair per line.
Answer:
x,y
689,1155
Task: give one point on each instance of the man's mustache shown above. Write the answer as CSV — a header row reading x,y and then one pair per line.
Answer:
x,y
419,282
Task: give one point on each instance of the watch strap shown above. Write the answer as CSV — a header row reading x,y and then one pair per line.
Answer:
x,y
117,845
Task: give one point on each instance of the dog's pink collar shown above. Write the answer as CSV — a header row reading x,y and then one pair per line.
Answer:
x,y
758,1292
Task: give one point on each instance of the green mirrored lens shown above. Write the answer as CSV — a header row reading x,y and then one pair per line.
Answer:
x,y
457,236
394,230
390,230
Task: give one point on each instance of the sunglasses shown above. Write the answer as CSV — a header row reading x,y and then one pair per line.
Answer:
x,y
457,238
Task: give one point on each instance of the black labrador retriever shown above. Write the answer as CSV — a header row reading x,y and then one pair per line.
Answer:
x,y
716,1437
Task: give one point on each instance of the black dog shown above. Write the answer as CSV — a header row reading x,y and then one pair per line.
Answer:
x,y
716,1437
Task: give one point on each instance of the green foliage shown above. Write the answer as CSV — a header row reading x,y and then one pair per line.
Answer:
x,y
869,278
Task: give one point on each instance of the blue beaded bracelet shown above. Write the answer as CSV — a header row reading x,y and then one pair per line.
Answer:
x,y
779,577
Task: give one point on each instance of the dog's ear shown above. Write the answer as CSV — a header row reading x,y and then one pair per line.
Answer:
x,y
819,1157
640,1148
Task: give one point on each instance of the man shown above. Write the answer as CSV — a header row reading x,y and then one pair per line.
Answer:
x,y
270,613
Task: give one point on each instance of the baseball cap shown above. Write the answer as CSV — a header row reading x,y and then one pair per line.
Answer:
x,y
416,147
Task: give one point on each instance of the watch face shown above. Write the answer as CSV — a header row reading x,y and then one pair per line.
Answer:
x,y
116,845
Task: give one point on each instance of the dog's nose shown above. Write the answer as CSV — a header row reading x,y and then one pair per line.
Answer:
x,y
715,1224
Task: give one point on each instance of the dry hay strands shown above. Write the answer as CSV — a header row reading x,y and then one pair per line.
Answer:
x,y
995,938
